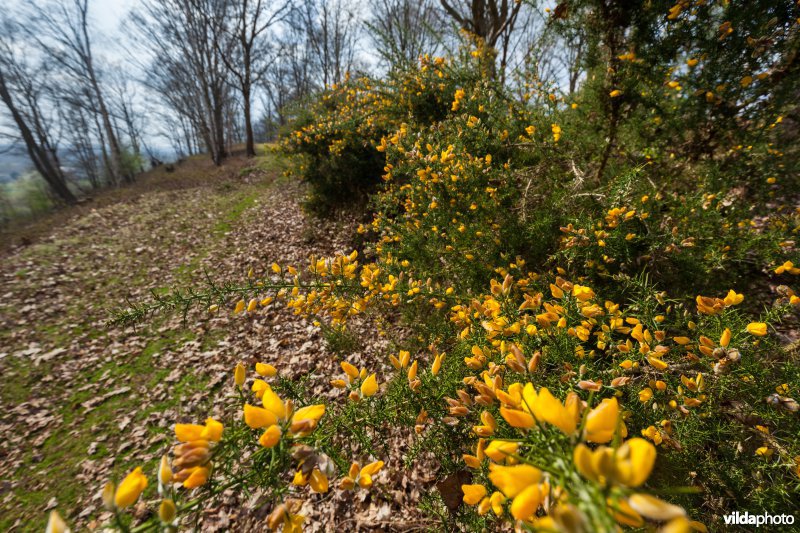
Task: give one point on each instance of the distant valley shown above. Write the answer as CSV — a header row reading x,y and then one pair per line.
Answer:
x,y
13,164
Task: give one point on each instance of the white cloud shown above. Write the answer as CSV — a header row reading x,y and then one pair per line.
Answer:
x,y
108,14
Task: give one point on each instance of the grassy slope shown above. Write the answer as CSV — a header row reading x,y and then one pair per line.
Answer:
x,y
225,195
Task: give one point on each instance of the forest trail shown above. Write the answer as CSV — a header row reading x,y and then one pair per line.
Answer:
x,y
85,402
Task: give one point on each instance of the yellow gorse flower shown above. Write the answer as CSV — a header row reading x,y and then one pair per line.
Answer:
x,y
473,494
437,364
286,515
266,370
192,458
239,374
369,386
629,465
360,476
556,129
276,417
211,431
733,299
602,422
130,488
258,417
364,385
787,267
501,450
271,436
520,483
758,329
528,406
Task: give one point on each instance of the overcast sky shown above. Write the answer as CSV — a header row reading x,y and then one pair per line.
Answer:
x,y
110,45
106,16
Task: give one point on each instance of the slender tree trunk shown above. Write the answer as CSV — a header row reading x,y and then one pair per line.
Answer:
x,y
137,151
187,133
117,166
612,38
250,148
116,153
111,178
219,130
612,139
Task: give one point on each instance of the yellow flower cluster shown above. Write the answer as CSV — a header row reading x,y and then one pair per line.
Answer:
x,y
192,459
365,385
276,416
621,468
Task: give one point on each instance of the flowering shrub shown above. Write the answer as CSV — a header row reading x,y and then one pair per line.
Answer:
x,y
337,158
336,137
571,463
596,352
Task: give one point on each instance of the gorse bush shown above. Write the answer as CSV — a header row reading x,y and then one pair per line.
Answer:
x,y
593,283
336,159
337,154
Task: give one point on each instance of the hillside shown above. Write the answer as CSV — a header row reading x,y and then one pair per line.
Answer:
x,y
512,266
82,402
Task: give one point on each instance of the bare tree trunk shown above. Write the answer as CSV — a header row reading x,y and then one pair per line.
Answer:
x,y
219,130
132,133
612,36
240,53
49,170
250,144
487,20
111,178
116,153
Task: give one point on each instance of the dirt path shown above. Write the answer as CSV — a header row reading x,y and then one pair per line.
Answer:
x,y
81,402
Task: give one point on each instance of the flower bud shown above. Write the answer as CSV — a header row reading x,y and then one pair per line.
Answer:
x,y
56,524
182,475
167,511
130,488
186,447
464,397
266,370
239,374
514,365
533,364
108,496
484,400
412,372
164,472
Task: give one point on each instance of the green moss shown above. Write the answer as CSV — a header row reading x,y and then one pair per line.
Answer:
x,y
66,455
234,212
